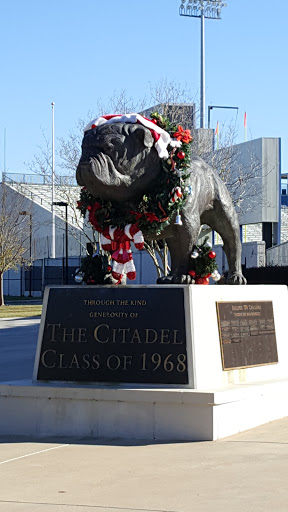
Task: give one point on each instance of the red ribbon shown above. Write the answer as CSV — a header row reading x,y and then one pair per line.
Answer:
x,y
137,214
151,217
161,208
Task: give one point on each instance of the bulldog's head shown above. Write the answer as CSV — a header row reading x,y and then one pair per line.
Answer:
x,y
119,161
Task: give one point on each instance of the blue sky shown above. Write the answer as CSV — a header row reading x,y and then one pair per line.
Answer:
x,y
76,53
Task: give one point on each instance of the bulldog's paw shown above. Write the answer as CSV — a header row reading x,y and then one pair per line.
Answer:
x,y
175,279
236,278
165,280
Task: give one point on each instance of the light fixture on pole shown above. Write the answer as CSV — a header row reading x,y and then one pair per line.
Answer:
x,y
202,9
210,107
62,203
53,252
30,249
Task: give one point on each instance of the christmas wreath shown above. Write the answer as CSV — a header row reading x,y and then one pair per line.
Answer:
x,y
120,224
155,210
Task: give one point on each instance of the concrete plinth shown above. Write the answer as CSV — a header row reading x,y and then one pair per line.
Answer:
x,y
163,414
216,403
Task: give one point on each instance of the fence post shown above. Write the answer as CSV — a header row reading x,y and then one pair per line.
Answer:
x,y
43,276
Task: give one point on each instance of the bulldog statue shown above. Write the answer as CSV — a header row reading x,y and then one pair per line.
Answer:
x,y
122,159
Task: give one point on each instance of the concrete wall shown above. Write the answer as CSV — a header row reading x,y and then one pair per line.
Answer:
x,y
256,165
261,157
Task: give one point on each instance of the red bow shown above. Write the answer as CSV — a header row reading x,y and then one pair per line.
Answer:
x,y
122,245
183,135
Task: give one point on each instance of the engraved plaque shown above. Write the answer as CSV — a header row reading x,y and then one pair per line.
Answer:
x,y
113,334
247,334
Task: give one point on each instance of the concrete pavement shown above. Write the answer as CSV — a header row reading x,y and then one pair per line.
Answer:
x,y
247,471
18,341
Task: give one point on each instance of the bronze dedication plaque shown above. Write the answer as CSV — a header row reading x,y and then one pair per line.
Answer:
x,y
113,335
247,334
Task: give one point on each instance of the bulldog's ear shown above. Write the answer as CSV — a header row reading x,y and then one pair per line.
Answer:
x,y
143,134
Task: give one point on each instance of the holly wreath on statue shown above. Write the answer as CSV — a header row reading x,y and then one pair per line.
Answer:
x,y
203,264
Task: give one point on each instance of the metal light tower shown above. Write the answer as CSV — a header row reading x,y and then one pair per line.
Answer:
x,y
53,187
202,9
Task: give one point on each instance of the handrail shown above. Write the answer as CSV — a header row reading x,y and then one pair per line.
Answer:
x,y
38,199
38,179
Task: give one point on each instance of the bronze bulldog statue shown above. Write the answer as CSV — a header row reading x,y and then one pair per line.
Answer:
x,y
120,163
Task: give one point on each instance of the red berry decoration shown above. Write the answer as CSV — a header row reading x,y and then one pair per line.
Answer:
x,y
212,255
192,273
205,280
109,268
199,280
181,155
89,207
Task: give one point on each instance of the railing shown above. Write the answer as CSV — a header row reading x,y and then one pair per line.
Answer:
x,y
26,192
43,200
38,179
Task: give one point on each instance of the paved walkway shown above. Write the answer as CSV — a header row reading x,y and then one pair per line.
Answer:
x,y
246,472
18,341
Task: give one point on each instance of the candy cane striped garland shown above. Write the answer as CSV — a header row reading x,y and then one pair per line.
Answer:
x,y
117,241
176,193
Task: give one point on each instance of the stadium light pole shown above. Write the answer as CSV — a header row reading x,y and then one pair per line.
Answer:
x,y
202,9
52,188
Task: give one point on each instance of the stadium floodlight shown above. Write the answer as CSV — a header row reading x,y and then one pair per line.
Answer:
x,y
193,8
202,9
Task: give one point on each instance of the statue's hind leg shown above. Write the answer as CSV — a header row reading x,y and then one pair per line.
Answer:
x,y
223,219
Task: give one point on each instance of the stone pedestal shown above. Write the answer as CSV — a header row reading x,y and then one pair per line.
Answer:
x,y
212,403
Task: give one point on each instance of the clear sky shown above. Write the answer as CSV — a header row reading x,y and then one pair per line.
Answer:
x,y
75,53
